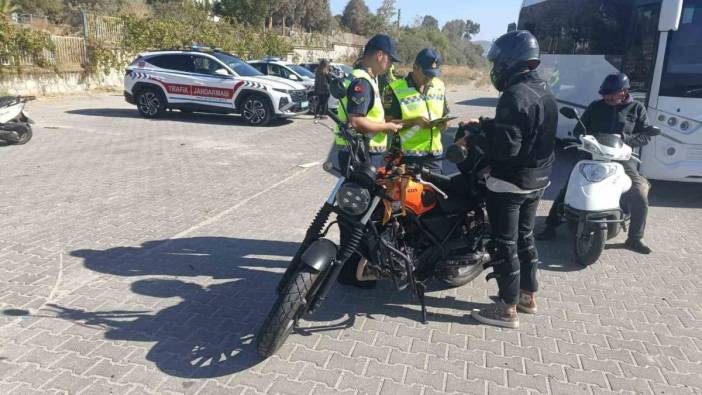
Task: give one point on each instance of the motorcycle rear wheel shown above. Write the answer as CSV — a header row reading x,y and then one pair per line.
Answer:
x,y
286,310
590,244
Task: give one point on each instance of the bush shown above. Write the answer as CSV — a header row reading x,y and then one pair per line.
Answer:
x,y
20,42
193,26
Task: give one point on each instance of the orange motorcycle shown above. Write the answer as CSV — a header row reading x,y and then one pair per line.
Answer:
x,y
409,225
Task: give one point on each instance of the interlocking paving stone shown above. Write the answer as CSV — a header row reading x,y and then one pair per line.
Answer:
x,y
138,267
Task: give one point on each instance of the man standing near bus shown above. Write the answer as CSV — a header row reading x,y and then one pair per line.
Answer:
x,y
617,113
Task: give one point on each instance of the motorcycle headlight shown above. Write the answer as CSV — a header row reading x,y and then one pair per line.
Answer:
x,y
597,172
353,199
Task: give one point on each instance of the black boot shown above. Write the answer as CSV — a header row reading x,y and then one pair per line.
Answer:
x,y
549,233
637,245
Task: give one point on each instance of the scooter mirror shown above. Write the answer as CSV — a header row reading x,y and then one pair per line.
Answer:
x,y
456,153
651,131
569,112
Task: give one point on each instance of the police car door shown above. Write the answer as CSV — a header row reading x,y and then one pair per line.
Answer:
x,y
174,73
212,83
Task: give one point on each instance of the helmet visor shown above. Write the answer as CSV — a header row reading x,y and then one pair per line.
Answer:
x,y
494,53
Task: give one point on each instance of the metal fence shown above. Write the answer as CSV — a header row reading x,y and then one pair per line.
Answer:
x,y
103,28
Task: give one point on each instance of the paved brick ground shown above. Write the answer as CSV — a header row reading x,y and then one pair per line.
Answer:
x,y
140,257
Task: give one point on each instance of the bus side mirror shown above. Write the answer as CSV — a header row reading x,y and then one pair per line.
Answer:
x,y
569,112
671,10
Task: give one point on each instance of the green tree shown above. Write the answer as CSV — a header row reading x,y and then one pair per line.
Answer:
x,y
355,15
430,23
7,7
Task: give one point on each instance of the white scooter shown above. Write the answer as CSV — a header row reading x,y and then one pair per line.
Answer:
x,y
592,201
15,124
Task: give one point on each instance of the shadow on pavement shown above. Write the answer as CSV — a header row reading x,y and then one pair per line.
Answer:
x,y
480,102
203,118
211,331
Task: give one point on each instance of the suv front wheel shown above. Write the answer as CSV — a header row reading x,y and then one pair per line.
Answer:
x,y
150,103
255,110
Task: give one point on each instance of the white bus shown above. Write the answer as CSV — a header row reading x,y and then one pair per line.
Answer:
x,y
657,43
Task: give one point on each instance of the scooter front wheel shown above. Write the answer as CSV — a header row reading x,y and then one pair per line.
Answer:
x,y
589,244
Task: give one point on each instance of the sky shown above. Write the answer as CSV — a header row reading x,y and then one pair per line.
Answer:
x,y
493,16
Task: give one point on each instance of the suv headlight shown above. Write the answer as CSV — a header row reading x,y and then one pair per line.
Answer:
x,y
597,172
353,199
287,91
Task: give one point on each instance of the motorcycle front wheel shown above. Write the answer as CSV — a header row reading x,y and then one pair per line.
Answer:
x,y
286,310
25,136
589,244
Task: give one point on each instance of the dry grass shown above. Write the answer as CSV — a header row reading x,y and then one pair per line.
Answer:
x,y
457,75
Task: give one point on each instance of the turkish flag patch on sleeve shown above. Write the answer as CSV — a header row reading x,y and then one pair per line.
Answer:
x,y
358,88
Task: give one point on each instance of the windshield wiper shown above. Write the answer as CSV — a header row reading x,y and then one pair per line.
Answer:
x,y
692,92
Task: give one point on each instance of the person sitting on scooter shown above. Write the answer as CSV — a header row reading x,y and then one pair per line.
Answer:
x,y
616,113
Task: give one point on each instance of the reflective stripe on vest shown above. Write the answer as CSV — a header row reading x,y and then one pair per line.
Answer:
x,y
417,141
378,143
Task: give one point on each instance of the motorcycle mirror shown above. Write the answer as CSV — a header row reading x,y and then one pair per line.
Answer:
x,y
337,88
569,112
651,131
456,153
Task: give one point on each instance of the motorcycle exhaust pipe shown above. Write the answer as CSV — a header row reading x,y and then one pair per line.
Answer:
x,y
9,136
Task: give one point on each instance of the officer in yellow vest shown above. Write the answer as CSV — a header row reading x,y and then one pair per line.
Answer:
x,y
416,100
362,107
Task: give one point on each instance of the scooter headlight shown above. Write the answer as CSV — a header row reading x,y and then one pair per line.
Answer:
x,y
353,199
597,172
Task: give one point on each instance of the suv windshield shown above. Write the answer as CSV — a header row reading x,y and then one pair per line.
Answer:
x,y
300,70
682,73
239,66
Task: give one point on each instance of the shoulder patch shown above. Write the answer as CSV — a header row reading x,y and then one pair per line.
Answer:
x,y
358,99
358,88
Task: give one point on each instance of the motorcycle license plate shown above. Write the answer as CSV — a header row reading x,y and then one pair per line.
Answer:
x,y
304,104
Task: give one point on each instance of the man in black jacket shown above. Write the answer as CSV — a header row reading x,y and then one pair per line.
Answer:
x,y
519,144
616,113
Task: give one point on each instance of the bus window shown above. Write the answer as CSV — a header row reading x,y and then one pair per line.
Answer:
x,y
682,73
588,27
640,55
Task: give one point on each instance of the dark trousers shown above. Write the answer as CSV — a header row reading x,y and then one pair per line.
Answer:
x,y
512,217
634,202
322,104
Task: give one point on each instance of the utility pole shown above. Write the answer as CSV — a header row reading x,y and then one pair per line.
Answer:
x,y
399,14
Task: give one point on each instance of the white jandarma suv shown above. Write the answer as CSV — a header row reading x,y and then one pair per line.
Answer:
x,y
213,81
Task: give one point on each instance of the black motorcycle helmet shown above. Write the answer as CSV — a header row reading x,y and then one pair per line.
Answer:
x,y
614,83
510,55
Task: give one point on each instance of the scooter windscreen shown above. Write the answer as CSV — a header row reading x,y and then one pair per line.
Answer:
x,y
609,140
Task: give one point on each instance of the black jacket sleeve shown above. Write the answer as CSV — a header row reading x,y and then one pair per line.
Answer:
x,y
502,137
637,138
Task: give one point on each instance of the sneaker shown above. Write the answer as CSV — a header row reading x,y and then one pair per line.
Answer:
x,y
498,314
549,233
637,245
527,303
